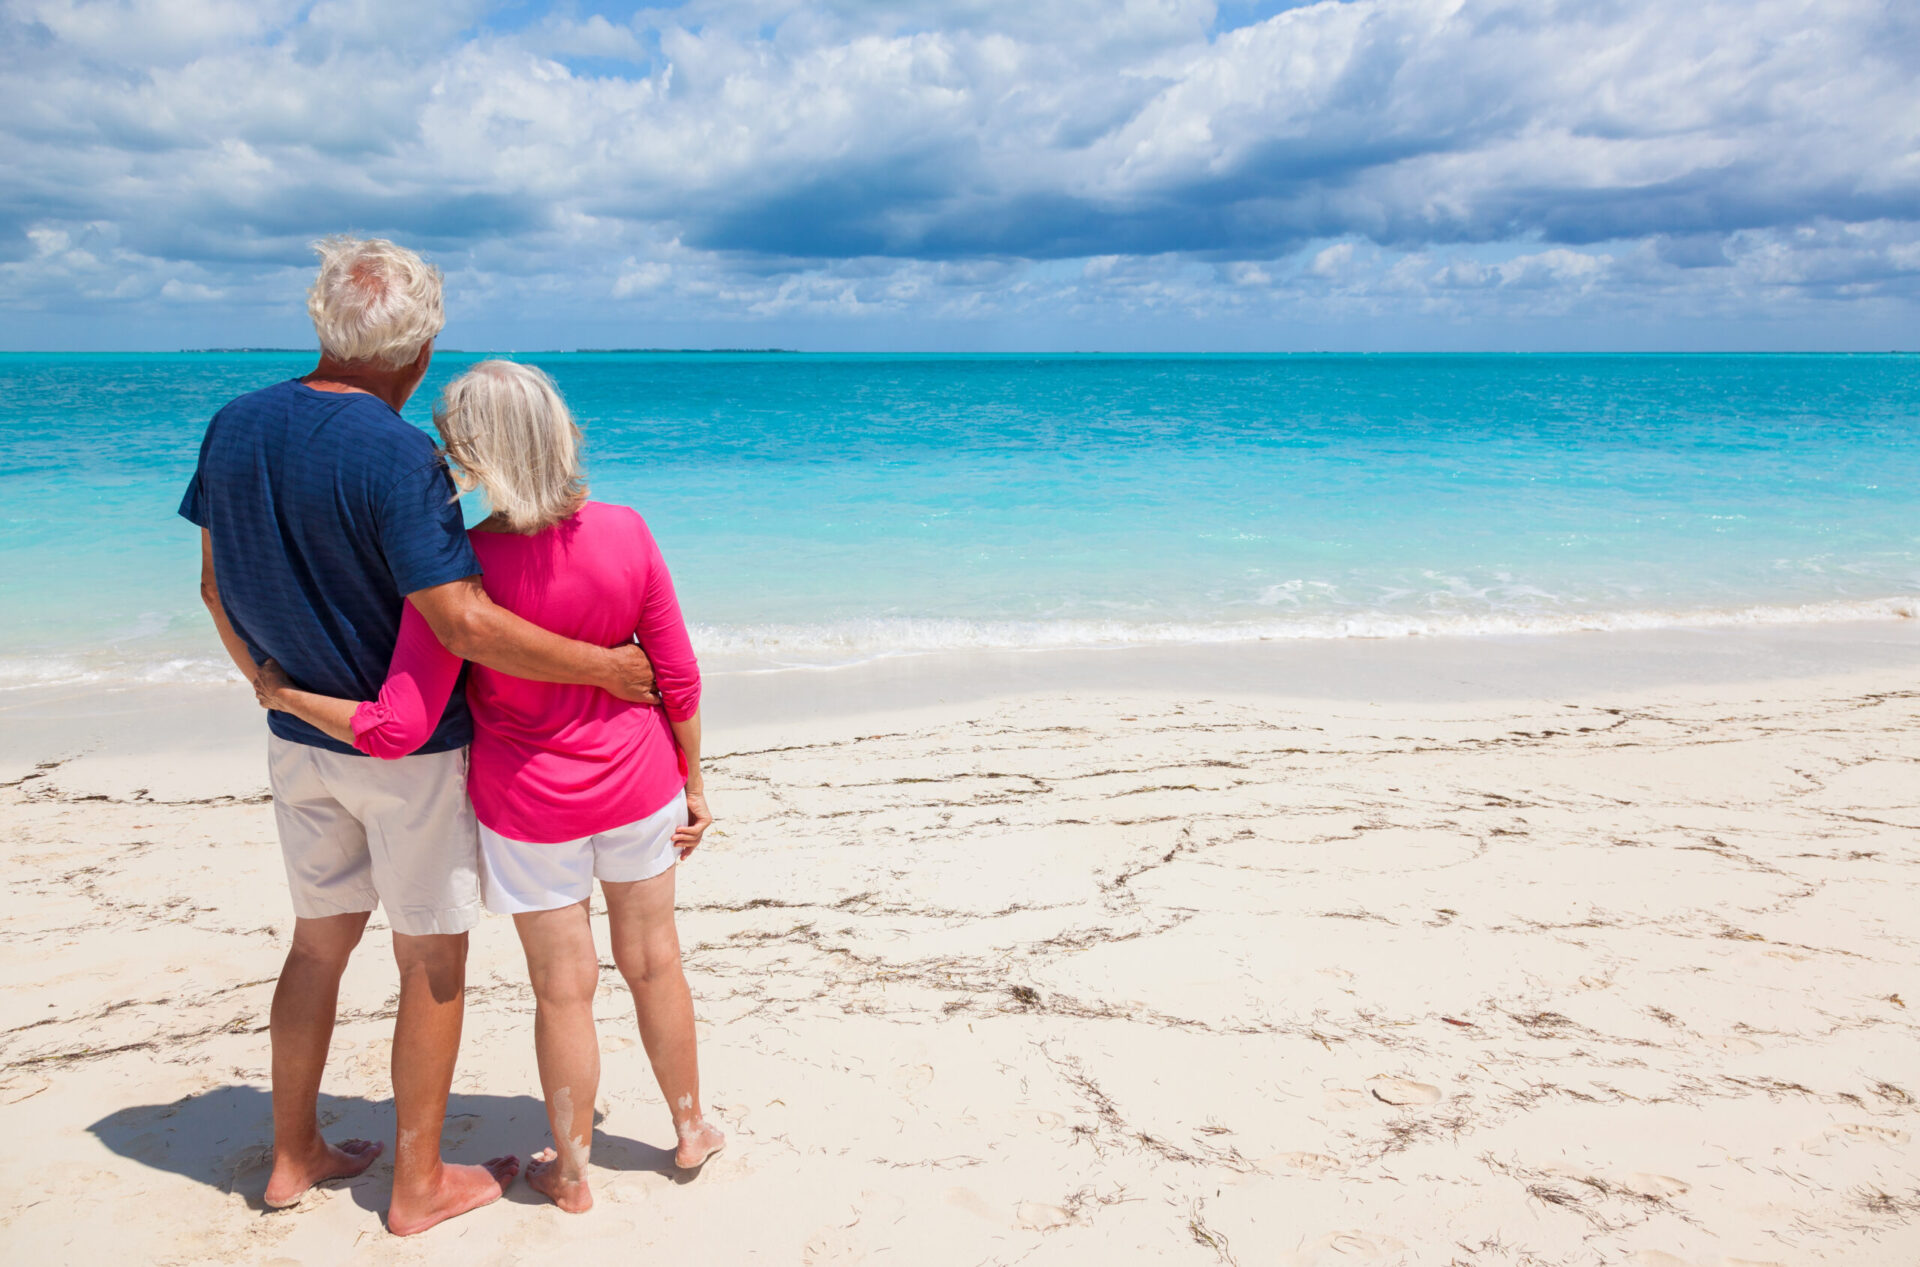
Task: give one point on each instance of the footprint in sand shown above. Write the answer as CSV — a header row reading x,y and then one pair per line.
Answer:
x,y
1354,1245
1309,1163
972,1202
1403,1092
1854,1132
1347,1099
831,1245
615,1042
621,1190
1657,1258
910,1078
1035,1217
1659,1187
1050,1120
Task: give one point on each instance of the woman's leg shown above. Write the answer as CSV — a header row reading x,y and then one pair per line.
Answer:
x,y
646,947
565,970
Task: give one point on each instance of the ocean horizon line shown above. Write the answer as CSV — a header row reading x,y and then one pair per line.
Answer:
x,y
1010,354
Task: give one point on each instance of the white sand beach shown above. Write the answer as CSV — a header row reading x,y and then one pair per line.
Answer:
x,y
1563,951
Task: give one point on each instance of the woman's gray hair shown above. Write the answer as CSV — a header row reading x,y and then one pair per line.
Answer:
x,y
508,433
374,301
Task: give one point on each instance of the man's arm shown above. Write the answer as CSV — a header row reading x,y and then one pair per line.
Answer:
x,y
210,595
474,627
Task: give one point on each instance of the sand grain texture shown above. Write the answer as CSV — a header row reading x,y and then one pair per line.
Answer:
x,y
1622,980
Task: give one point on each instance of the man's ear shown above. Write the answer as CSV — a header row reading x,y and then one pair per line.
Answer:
x,y
425,358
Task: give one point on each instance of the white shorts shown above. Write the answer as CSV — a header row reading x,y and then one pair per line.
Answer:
x,y
519,876
358,832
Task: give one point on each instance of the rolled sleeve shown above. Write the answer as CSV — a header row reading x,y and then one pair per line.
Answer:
x,y
683,700
421,678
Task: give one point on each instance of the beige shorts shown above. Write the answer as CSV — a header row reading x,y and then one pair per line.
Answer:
x,y
358,832
520,876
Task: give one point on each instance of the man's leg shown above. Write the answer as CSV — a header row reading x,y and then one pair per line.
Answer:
x,y
302,1030
426,1042
424,851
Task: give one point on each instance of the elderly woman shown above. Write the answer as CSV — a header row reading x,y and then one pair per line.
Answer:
x,y
568,783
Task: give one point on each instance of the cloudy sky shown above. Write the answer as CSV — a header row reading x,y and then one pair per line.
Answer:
x,y
974,174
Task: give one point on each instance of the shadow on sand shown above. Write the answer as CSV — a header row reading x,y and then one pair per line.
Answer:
x,y
223,1138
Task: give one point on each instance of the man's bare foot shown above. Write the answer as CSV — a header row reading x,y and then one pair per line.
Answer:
x,y
293,1175
460,1189
544,1177
699,1140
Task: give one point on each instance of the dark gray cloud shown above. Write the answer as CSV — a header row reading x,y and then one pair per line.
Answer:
x,y
755,157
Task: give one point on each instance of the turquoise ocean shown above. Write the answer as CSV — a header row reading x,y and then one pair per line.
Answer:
x,y
828,509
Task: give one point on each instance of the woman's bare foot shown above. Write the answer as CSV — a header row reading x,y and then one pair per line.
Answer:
x,y
294,1175
544,1177
699,1140
458,1190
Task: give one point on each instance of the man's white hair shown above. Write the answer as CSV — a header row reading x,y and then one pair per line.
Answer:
x,y
507,431
374,302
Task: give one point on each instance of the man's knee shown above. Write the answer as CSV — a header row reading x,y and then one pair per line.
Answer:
x,y
438,961
326,943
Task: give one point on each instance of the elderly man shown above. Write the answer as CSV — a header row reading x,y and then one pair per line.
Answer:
x,y
321,510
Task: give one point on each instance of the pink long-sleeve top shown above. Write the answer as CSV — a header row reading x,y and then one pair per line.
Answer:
x,y
552,762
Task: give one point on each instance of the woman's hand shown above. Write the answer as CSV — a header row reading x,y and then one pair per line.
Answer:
x,y
278,693
268,682
699,818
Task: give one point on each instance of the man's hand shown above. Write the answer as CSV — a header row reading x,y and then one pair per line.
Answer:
x,y
630,675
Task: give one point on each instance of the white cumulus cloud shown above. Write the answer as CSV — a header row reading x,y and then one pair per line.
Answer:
x,y
843,160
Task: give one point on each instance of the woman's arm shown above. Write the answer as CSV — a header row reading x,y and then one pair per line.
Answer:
x,y
276,692
699,817
662,634
420,678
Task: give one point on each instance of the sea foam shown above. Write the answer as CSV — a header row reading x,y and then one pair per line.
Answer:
x,y
840,644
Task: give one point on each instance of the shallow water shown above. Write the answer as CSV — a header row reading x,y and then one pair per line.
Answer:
x,y
835,508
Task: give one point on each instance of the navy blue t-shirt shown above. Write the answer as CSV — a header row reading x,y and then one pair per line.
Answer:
x,y
326,510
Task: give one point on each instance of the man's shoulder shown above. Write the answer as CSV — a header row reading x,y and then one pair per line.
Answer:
x,y
273,398
367,423
366,415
